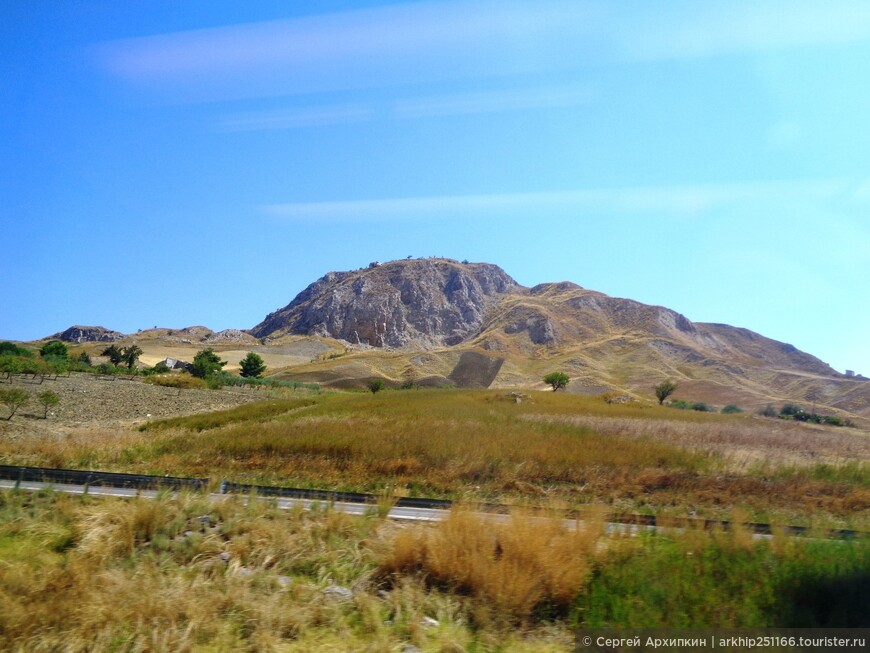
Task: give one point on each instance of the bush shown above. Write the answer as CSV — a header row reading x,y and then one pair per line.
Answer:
x,y
206,362
14,398
375,386
53,349
557,380
768,411
11,349
182,381
701,407
732,409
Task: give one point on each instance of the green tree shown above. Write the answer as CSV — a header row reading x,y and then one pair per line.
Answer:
x,y
557,380
130,355
206,363
14,398
11,349
252,366
47,399
664,390
114,353
53,349
375,386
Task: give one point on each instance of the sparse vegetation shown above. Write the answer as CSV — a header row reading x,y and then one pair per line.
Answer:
x,y
252,366
13,398
114,354
557,380
47,399
53,349
207,363
130,355
664,390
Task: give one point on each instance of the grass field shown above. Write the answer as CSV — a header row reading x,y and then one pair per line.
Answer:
x,y
552,450
184,574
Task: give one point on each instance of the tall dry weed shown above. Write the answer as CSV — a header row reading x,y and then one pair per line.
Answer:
x,y
514,566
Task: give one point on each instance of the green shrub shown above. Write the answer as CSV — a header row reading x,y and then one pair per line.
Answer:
x,y
768,411
53,349
207,363
732,409
11,349
183,381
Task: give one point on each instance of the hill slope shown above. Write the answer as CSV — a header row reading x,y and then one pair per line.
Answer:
x,y
428,312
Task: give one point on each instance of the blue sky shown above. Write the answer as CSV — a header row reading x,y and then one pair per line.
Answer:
x,y
172,164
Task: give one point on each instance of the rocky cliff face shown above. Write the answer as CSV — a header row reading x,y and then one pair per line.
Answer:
x,y
420,303
88,334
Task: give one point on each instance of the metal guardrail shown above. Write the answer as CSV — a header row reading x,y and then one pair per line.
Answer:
x,y
145,482
108,479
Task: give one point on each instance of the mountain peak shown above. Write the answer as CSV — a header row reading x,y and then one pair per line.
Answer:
x,y
412,302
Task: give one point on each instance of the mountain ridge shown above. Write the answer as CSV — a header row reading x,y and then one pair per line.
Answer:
x,y
440,321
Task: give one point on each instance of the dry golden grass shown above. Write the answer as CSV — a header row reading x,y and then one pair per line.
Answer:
x,y
483,446
185,574
511,568
741,442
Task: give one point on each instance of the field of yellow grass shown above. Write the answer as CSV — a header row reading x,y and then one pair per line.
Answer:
x,y
551,449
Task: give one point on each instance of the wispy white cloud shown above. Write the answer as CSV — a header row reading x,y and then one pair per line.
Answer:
x,y
677,201
394,44
511,99
454,104
721,27
442,41
297,117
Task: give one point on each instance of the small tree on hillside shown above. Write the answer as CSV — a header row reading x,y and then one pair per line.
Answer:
x,y
114,354
130,355
375,386
206,363
557,380
664,390
14,398
47,399
252,366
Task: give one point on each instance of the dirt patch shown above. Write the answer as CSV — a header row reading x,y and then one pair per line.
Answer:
x,y
86,400
475,370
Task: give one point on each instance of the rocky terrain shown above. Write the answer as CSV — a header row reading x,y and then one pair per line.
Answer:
x,y
414,303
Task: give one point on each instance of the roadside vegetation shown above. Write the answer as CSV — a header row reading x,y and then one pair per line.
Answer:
x,y
188,574
185,573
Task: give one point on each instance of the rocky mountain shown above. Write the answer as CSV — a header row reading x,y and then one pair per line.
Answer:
x,y
470,324
88,334
420,303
